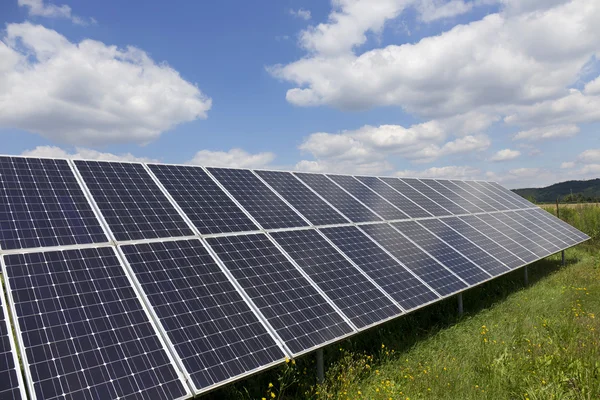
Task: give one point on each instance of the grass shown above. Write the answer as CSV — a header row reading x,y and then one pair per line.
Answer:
x,y
538,342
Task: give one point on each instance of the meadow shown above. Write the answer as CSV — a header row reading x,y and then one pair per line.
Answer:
x,y
539,341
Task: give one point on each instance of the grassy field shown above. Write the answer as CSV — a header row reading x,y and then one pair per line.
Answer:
x,y
514,342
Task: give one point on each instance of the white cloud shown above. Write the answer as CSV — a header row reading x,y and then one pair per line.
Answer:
x,y
505,155
548,132
593,87
590,156
37,8
236,158
567,165
432,10
301,13
89,93
82,153
448,172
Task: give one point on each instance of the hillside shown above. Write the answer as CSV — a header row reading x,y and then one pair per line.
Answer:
x,y
581,191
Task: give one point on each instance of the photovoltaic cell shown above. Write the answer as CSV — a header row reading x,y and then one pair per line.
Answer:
x,y
459,242
559,224
484,200
509,194
473,203
531,246
411,209
42,205
11,385
84,331
435,196
390,275
132,204
202,200
533,231
214,332
425,202
368,197
294,308
453,196
337,197
545,247
542,224
430,271
312,207
458,264
260,201
485,242
361,301
508,205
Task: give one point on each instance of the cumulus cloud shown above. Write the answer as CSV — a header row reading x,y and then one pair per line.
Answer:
x,y
548,132
236,158
448,172
590,156
37,8
82,153
505,155
301,13
432,10
567,165
89,93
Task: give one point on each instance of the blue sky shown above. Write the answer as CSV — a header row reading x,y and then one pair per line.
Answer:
x,y
506,90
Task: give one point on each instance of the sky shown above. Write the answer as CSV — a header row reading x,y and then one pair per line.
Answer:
x,y
503,90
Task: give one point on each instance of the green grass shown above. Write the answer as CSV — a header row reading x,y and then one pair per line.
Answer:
x,y
514,342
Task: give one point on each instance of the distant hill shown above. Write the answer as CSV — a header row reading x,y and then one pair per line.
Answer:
x,y
569,191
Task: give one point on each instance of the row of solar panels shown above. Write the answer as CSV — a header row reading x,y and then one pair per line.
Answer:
x,y
207,297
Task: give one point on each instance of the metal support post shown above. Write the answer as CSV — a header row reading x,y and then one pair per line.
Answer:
x,y
526,276
320,366
563,258
460,305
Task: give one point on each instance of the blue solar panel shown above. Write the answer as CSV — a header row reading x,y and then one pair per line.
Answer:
x,y
299,314
202,200
519,233
436,197
359,299
42,205
213,331
311,206
84,331
419,198
429,270
509,195
368,197
388,273
467,248
531,230
260,201
11,382
452,196
131,202
569,234
506,204
411,209
337,197
439,250
484,201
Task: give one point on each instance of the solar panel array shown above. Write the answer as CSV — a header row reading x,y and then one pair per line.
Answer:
x,y
131,281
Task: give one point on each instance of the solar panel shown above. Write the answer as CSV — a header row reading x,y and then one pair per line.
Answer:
x,y
351,291
442,280
528,244
202,200
43,205
213,331
311,206
388,273
543,224
411,209
84,332
559,224
507,205
484,201
453,196
435,196
509,195
419,198
545,247
300,315
11,382
439,250
261,202
337,197
545,238
461,243
368,197
474,203
485,242
131,202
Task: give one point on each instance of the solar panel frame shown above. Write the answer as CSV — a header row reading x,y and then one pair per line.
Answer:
x,y
29,381
80,187
19,386
176,356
